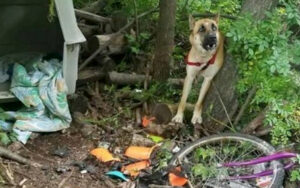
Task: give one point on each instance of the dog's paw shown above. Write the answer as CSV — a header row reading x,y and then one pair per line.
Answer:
x,y
178,118
196,119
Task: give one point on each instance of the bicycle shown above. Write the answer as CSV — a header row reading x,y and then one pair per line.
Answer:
x,y
232,161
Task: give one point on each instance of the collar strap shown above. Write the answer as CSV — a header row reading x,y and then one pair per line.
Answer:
x,y
198,64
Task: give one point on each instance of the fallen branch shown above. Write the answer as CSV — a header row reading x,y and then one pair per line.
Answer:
x,y
214,15
61,184
91,17
93,74
256,122
89,59
245,105
263,132
95,7
10,155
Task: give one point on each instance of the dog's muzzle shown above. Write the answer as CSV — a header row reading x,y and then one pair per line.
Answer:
x,y
210,42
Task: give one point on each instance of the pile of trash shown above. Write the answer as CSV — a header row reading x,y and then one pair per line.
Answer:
x,y
38,83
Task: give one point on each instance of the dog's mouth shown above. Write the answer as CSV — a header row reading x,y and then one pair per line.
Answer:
x,y
209,47
210,43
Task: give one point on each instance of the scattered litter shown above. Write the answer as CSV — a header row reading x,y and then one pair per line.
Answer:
x,y
117,174
83,171
135,168
175,180
176,149
147,120
103,155
156,139
262,182
62,169
138,90
41,88
61,152
104,145
139,152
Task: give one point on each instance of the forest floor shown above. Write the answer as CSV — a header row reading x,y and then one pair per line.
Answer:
x,y
65,155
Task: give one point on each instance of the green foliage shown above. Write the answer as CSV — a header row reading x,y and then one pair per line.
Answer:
x,y
204,171
164,155
136,43
264,60
295,174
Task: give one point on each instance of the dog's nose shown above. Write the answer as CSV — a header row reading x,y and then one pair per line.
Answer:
x,y
212,37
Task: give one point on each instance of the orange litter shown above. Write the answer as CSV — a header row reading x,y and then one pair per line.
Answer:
x,y
177,180
147,120
103,155
135,168
139,152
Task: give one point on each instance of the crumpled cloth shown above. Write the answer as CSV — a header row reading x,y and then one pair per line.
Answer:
x,y
40,86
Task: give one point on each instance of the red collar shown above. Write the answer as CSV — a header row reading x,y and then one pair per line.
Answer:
x,y
198,64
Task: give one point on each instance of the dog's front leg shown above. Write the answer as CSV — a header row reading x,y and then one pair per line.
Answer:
x,y
188,81
197,118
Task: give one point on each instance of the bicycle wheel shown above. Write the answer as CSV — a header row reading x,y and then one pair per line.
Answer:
x,y
201,161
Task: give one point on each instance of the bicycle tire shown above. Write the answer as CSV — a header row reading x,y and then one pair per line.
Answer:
x,y
266,148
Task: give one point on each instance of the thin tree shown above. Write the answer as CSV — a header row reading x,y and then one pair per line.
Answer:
x,y
164,39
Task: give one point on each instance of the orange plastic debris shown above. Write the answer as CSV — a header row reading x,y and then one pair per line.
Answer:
x,y
139,152
103,155
135,168
147,120
177,180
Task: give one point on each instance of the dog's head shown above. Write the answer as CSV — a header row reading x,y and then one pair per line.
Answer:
x,y
204,33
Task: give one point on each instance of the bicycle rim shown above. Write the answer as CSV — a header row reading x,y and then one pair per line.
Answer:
x,y
258,144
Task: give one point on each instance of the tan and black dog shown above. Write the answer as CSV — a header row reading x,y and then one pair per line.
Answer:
x,y
205,58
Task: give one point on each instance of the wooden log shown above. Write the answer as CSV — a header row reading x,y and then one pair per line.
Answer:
x,y
96,73
88,30
90,74
109,44
95,7
91,17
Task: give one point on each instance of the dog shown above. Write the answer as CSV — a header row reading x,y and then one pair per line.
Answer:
x,y
206,58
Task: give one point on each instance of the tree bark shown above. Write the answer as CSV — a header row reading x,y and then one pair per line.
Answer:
x,y
164,39
258,7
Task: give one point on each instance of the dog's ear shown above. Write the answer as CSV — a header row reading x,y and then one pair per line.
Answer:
x,y
191,22
217,18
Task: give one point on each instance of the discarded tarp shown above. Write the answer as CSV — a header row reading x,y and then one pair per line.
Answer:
x,y
40,86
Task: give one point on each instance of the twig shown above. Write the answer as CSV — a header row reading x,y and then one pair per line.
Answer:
x,y
8,154
188,181
224,107
159,186
245,105
213,15
138,116
89,59
91,16
139,16
65,179
136,21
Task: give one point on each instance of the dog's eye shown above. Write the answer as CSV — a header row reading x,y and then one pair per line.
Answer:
x,y
213,27
202,28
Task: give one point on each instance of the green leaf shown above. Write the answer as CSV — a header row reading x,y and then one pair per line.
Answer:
x,y
4,139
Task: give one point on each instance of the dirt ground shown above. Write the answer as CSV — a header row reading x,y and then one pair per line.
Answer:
x,y
59,170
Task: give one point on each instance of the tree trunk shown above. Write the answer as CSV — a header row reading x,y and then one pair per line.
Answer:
x,y
258,7
225,81
164,39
